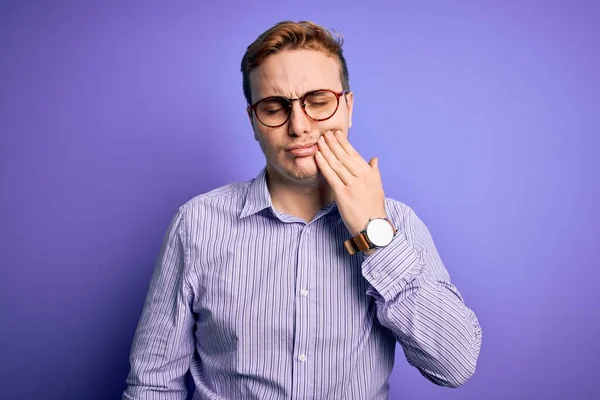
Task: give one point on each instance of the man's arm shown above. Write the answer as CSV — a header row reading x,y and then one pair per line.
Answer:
x,y
164,342
415,299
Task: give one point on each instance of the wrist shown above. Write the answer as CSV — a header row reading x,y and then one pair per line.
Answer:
x,y
368,252
378,233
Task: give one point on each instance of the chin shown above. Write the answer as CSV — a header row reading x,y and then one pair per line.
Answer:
x,y
303,170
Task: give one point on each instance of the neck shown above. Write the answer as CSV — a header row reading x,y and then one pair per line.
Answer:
x,y
302,200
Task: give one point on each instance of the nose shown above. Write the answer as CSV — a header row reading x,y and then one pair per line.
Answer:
x,y
299,123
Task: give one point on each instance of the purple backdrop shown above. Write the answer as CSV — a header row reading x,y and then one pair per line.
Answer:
x,y
485,117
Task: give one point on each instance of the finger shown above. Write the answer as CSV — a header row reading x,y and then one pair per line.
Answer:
x,y
330,175
345,144
351,163
334,163
358,163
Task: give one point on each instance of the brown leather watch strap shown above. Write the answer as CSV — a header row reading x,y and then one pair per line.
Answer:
x,y
357,243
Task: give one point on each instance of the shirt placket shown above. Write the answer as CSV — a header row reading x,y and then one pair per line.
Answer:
x,y
303,354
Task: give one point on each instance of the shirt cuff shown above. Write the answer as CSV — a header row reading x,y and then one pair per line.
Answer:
x,y
391,268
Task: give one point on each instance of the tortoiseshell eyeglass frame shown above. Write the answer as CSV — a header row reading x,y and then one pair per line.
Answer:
x,y
253,107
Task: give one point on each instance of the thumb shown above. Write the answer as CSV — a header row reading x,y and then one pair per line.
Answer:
x,y
374,163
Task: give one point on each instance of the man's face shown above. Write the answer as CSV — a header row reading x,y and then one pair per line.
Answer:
x,y
291,74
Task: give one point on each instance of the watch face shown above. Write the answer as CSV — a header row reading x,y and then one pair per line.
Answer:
x,y
380,232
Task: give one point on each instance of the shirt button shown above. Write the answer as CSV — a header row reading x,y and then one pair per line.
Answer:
x,y
304,292
375,275
302,357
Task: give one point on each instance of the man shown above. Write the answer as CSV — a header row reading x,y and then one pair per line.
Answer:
x,y
297,284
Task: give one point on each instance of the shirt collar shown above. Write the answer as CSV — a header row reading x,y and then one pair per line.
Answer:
x,y
257,196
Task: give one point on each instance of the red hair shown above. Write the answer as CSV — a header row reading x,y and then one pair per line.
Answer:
x,y
289,35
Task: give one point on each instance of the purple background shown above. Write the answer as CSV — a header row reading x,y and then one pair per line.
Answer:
x,y
485,117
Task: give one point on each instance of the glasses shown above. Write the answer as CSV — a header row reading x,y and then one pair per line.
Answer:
x,y
317,105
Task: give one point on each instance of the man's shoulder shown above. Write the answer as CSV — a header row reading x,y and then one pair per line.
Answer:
x,y
406,219
229,196
396,207
402,215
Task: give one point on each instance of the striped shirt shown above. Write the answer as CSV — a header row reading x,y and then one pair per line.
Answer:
x,y
258,304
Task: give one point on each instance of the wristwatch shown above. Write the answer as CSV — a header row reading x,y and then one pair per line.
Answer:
x,y
379,232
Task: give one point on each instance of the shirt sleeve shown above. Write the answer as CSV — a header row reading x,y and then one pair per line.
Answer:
x,y
415,299
164,342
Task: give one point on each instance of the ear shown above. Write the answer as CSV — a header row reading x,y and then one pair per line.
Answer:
x,y
350,105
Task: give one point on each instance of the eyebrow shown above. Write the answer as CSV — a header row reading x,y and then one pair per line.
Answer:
x,y
287,98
